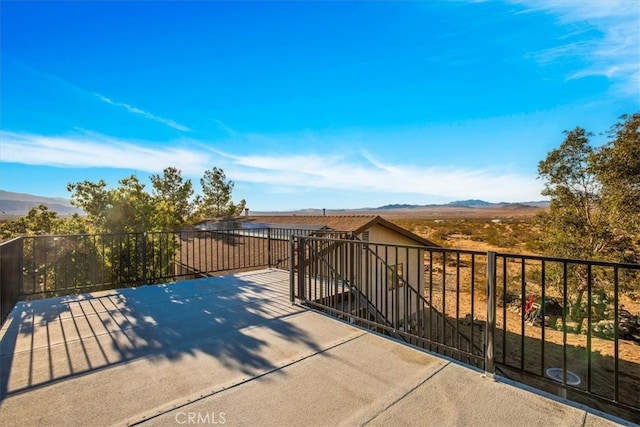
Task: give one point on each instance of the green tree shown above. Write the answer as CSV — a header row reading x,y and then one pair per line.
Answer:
x,y
172,199
74,224
94,199
120,239
45,250
575,225
594,195
131,210
594,208
618,167
216,200
40,220
126,208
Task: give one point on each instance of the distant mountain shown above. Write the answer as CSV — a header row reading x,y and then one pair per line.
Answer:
x,y
18,204
471,203
538,204
396,206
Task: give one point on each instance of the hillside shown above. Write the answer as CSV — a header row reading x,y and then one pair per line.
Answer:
x,y
458,209
18,204
13,205
471,203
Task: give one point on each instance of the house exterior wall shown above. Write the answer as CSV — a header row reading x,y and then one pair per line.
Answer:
x,y
396,297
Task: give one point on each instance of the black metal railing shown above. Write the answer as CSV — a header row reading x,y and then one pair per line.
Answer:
x,y
45,266
556,324
384,287
11,255
562,325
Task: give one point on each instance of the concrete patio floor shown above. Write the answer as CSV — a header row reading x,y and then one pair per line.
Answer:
x,y
232,350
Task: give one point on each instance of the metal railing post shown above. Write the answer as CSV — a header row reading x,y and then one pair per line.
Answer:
x,y
489,353
301,266
352,267
144,258
269,247
21,268
292,276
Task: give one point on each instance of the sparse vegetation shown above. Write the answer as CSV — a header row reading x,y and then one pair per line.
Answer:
x,y
594,214
509,234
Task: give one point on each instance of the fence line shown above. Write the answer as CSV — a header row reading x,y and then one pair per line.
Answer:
x,y
47,266
557,324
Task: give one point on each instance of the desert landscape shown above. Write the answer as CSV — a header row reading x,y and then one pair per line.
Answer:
x,y
527,346
524,341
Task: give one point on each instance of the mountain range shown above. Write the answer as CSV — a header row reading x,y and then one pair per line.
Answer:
x,y
471,203
18,204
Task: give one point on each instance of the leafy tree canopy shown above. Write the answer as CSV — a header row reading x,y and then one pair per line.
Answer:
x,y
169,205
172,198
618,166
126,208
41,220
216,199
594,195
129,207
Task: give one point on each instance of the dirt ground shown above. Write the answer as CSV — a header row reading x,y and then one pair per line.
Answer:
x,y
521,344
463,242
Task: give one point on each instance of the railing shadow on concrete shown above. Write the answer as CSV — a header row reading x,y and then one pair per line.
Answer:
x,y
118,323
52,340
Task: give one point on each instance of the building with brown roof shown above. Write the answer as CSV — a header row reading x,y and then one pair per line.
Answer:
x,y
395,270
372,228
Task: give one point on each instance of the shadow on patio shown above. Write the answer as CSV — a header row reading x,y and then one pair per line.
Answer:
x,y
233,319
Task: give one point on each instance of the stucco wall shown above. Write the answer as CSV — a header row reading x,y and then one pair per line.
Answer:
x,y
396,303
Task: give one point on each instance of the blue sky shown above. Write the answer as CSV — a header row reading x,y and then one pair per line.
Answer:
x,y
311,104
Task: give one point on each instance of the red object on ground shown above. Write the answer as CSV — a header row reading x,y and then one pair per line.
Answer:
x,y
529,303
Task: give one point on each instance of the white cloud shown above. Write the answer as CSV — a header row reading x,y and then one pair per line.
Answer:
x,y
355,173
97,151
613,51
370,175
143,113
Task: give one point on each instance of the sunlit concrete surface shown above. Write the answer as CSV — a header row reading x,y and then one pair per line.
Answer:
x,y
232,350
